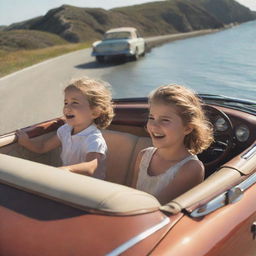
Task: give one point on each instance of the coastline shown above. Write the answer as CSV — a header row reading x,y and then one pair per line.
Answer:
x,y
159,40
151,42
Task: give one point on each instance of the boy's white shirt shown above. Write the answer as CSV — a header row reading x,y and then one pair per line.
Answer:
x,y
76,147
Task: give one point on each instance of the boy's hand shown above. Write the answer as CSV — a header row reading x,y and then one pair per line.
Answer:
x,y
66,168
22,137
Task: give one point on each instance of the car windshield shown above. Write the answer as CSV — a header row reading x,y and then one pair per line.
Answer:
x,y
240,104
117,35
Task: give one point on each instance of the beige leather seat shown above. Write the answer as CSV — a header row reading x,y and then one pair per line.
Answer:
x,y
123,149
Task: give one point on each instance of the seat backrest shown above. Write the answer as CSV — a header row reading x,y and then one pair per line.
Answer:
x,y
120,153
123,149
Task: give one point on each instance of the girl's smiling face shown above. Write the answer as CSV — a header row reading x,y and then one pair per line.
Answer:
x,y
77,110
165,126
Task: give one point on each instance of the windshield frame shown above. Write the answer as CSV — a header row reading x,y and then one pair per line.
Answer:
x,y
247,106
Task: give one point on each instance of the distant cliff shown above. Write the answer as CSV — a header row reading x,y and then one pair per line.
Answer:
x,y
227,11
155,18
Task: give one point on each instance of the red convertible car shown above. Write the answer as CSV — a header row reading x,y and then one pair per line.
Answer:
x,y
48,212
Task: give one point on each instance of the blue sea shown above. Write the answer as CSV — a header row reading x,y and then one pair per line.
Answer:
x,y
218,63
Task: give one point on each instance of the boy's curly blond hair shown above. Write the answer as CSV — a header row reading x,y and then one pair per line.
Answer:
x,y
189,107
98,94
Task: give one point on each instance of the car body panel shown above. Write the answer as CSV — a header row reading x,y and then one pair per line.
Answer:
x,y
116,47
225,232
34,221
35,225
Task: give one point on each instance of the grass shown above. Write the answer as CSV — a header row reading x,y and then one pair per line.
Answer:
x,y
16,60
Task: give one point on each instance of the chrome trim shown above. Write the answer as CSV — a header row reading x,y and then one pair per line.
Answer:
x,y
250,152
125,246
248,182
211,206
231,196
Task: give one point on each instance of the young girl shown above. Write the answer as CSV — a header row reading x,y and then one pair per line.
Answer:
x,y
179,130
87,107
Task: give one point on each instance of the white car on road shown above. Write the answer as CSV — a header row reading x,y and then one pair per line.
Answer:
x,y
119,42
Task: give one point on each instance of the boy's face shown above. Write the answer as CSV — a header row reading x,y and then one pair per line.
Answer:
x,y
165,126
77,110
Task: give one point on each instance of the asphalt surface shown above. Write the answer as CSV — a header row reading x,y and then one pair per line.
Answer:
x,y
35,94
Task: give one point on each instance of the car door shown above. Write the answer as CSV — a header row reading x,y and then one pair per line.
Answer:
x,y
227,231
140,43
240,240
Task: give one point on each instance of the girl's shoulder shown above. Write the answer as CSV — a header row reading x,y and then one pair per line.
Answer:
x,y
145,155
192,168
192,162
149,149
146,151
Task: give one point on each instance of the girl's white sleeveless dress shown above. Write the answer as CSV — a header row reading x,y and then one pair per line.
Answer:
x,y
155,184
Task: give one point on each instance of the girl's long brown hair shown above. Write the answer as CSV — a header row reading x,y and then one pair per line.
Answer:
x,y
189,107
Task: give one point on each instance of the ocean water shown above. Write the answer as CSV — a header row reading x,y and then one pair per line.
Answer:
x,y
219,63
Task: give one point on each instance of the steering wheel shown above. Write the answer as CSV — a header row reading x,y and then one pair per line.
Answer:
x,y
223,137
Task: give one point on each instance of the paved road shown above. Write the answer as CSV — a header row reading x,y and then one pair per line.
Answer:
x,y
35,94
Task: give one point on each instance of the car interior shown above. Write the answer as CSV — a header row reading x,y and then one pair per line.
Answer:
x,y
126,136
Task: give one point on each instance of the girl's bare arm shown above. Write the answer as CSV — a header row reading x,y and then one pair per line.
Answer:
x,y
190,174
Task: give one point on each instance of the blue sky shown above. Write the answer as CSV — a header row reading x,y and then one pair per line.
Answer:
x,y
19,10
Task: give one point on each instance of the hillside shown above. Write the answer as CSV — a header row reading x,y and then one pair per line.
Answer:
x,y
169,17
227,11
28,39
156,18
2,28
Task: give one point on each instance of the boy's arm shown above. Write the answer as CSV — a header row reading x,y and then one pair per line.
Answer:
x,y
94,161
37,146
